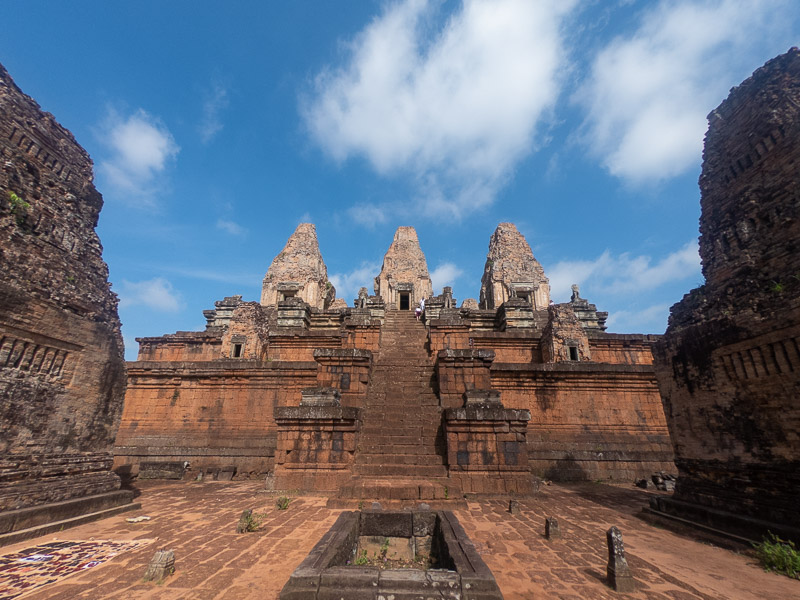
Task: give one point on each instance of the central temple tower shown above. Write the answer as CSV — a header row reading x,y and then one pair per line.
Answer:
x,y
404,279
512,271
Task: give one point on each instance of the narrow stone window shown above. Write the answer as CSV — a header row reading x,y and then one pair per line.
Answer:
x,y
236,350
573,353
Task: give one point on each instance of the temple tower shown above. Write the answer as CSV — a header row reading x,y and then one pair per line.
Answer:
x,y
512,271
729,363
62,370
404,279
299,271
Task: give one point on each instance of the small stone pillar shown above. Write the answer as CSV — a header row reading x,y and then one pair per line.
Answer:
x,y
460,371
346,369
515,313
487,449
161,566
294,312
513,507
551,528
316,441
618,571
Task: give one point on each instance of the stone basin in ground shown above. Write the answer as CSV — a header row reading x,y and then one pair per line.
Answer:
x,y
329,570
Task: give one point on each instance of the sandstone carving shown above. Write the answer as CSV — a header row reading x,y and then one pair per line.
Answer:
x,y
299,271
729,364
512,271
62,373
404,279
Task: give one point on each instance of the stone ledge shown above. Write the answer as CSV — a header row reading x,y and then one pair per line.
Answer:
x,y
593,334
720,522
35,517
466,354
349,413
250,367
486,413
343,353
56,526
266,443
572,367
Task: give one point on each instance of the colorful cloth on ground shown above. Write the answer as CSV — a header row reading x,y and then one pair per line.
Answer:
x,y
46,563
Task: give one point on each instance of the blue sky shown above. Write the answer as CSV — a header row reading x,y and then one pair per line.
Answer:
x,y
216,128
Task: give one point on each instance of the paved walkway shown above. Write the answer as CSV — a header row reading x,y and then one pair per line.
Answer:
x,y
198,521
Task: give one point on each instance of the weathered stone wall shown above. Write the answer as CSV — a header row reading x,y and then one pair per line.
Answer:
x,y
596,418
511,270
62,374
196,397
213,414
589,420
299,271
729,364
404,270
317,442
180,346
486,446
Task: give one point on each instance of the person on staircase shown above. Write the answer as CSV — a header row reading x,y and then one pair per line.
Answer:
x,y
420,309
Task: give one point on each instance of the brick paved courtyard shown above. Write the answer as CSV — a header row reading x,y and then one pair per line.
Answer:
x,y
198,522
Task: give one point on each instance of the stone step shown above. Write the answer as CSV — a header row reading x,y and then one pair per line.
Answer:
x,y
390,424
385,400
391,433
394,458
419,412
396,440
401,489
400,470
382,447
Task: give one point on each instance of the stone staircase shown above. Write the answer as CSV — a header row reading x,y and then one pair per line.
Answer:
x,y
401,450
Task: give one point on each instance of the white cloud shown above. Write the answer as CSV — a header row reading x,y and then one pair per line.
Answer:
x,y
651,319
649,93
141,147
231,227
624,274
224,276
348,284
156,293
455,106
215,102
444,274
368,215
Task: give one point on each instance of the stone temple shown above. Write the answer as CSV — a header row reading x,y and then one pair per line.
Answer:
x,y
361,401
364,401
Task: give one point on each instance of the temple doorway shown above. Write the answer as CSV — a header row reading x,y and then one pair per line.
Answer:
x,y
405,301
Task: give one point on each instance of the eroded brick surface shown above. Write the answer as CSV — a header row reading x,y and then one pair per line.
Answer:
x,y
62,374
299,271
511,270
404,271
729,364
